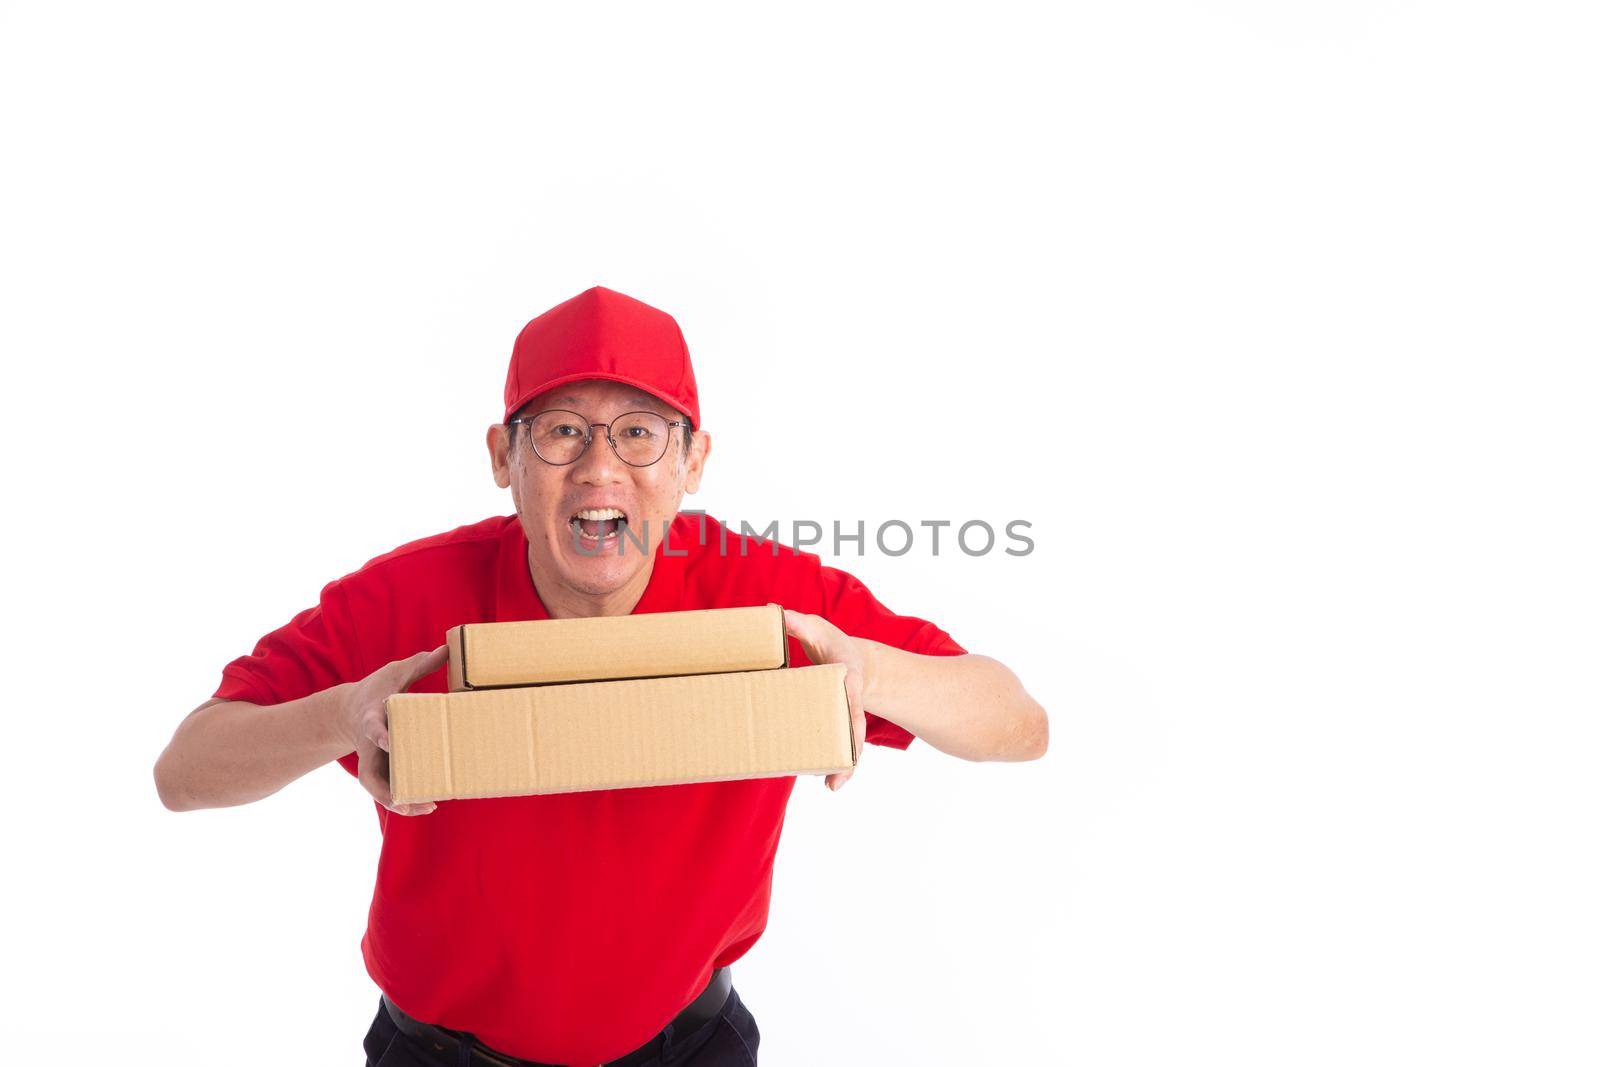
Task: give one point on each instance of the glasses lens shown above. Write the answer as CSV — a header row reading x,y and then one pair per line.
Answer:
x,y
641,437
558,436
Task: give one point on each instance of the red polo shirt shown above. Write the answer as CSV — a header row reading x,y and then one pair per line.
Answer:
x,y
567,928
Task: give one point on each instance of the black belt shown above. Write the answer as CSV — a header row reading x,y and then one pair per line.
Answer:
x,y
702,1009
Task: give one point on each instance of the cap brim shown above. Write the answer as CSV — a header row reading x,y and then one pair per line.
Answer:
x,y
584,376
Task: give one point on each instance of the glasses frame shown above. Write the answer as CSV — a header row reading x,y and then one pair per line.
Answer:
x,y
589,435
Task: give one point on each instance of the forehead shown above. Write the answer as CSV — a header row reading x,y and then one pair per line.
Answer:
x,y
596,393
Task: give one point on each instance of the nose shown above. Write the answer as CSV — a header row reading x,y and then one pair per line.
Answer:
x,y
599,464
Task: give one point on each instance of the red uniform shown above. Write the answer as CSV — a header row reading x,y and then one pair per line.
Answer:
x,y
567,928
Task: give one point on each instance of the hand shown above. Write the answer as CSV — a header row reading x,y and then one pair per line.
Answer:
x,y
368,723
826,643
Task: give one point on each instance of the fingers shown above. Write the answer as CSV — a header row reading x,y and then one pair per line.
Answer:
x,y
375,725
373,736
421,665
793,626
374,775
373,772
401,675
858,728
411,809
799,626
809,631
858,718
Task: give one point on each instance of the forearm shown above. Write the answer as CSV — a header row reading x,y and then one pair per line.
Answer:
x,y
234,752
969,706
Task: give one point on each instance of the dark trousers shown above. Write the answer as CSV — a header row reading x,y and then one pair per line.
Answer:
x,y
729,1040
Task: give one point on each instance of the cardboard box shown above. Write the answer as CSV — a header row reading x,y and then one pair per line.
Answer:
x,y
616,735
493,655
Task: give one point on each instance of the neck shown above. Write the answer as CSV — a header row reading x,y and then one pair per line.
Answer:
x,y
562,601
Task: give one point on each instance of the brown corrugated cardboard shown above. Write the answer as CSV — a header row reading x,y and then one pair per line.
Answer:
x,y
493,655
616,735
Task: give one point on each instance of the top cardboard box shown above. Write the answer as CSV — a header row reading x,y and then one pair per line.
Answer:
x,y
497,655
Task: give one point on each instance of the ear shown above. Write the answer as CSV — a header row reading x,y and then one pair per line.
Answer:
x,y
499,442
699,452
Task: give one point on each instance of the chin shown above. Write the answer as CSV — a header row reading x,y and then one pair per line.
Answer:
x,y
597,582
599,574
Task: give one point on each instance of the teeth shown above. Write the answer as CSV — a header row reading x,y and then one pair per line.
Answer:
x,y
596,514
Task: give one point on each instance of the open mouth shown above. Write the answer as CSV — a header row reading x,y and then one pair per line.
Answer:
x,y
594,527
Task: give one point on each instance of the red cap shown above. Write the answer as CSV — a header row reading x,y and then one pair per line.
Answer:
x,y
600,333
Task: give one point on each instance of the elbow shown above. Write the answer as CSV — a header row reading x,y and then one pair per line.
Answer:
x,y
1028,735
1033,738
1025,738
1027,732
1041,735
173,770
174,797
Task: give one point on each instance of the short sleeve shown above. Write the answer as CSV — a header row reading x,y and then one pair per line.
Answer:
x,y
850,605
313,651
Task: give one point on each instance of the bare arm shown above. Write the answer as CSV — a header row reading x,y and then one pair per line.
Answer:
x,y
230,752
972,707
969,706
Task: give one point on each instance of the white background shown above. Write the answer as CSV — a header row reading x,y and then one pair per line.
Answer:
x,y
1277,320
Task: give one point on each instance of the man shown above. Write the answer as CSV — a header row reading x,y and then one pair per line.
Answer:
x,y
579,928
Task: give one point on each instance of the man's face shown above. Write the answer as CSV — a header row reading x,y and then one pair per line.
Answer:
x,y
585,554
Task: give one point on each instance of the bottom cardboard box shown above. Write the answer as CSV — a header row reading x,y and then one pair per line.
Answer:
x,y
616,735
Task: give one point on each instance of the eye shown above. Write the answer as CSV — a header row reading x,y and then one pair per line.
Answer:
x,y
637,432
565,429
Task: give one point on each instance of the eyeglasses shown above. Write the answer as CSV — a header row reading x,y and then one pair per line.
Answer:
x,y
559,437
